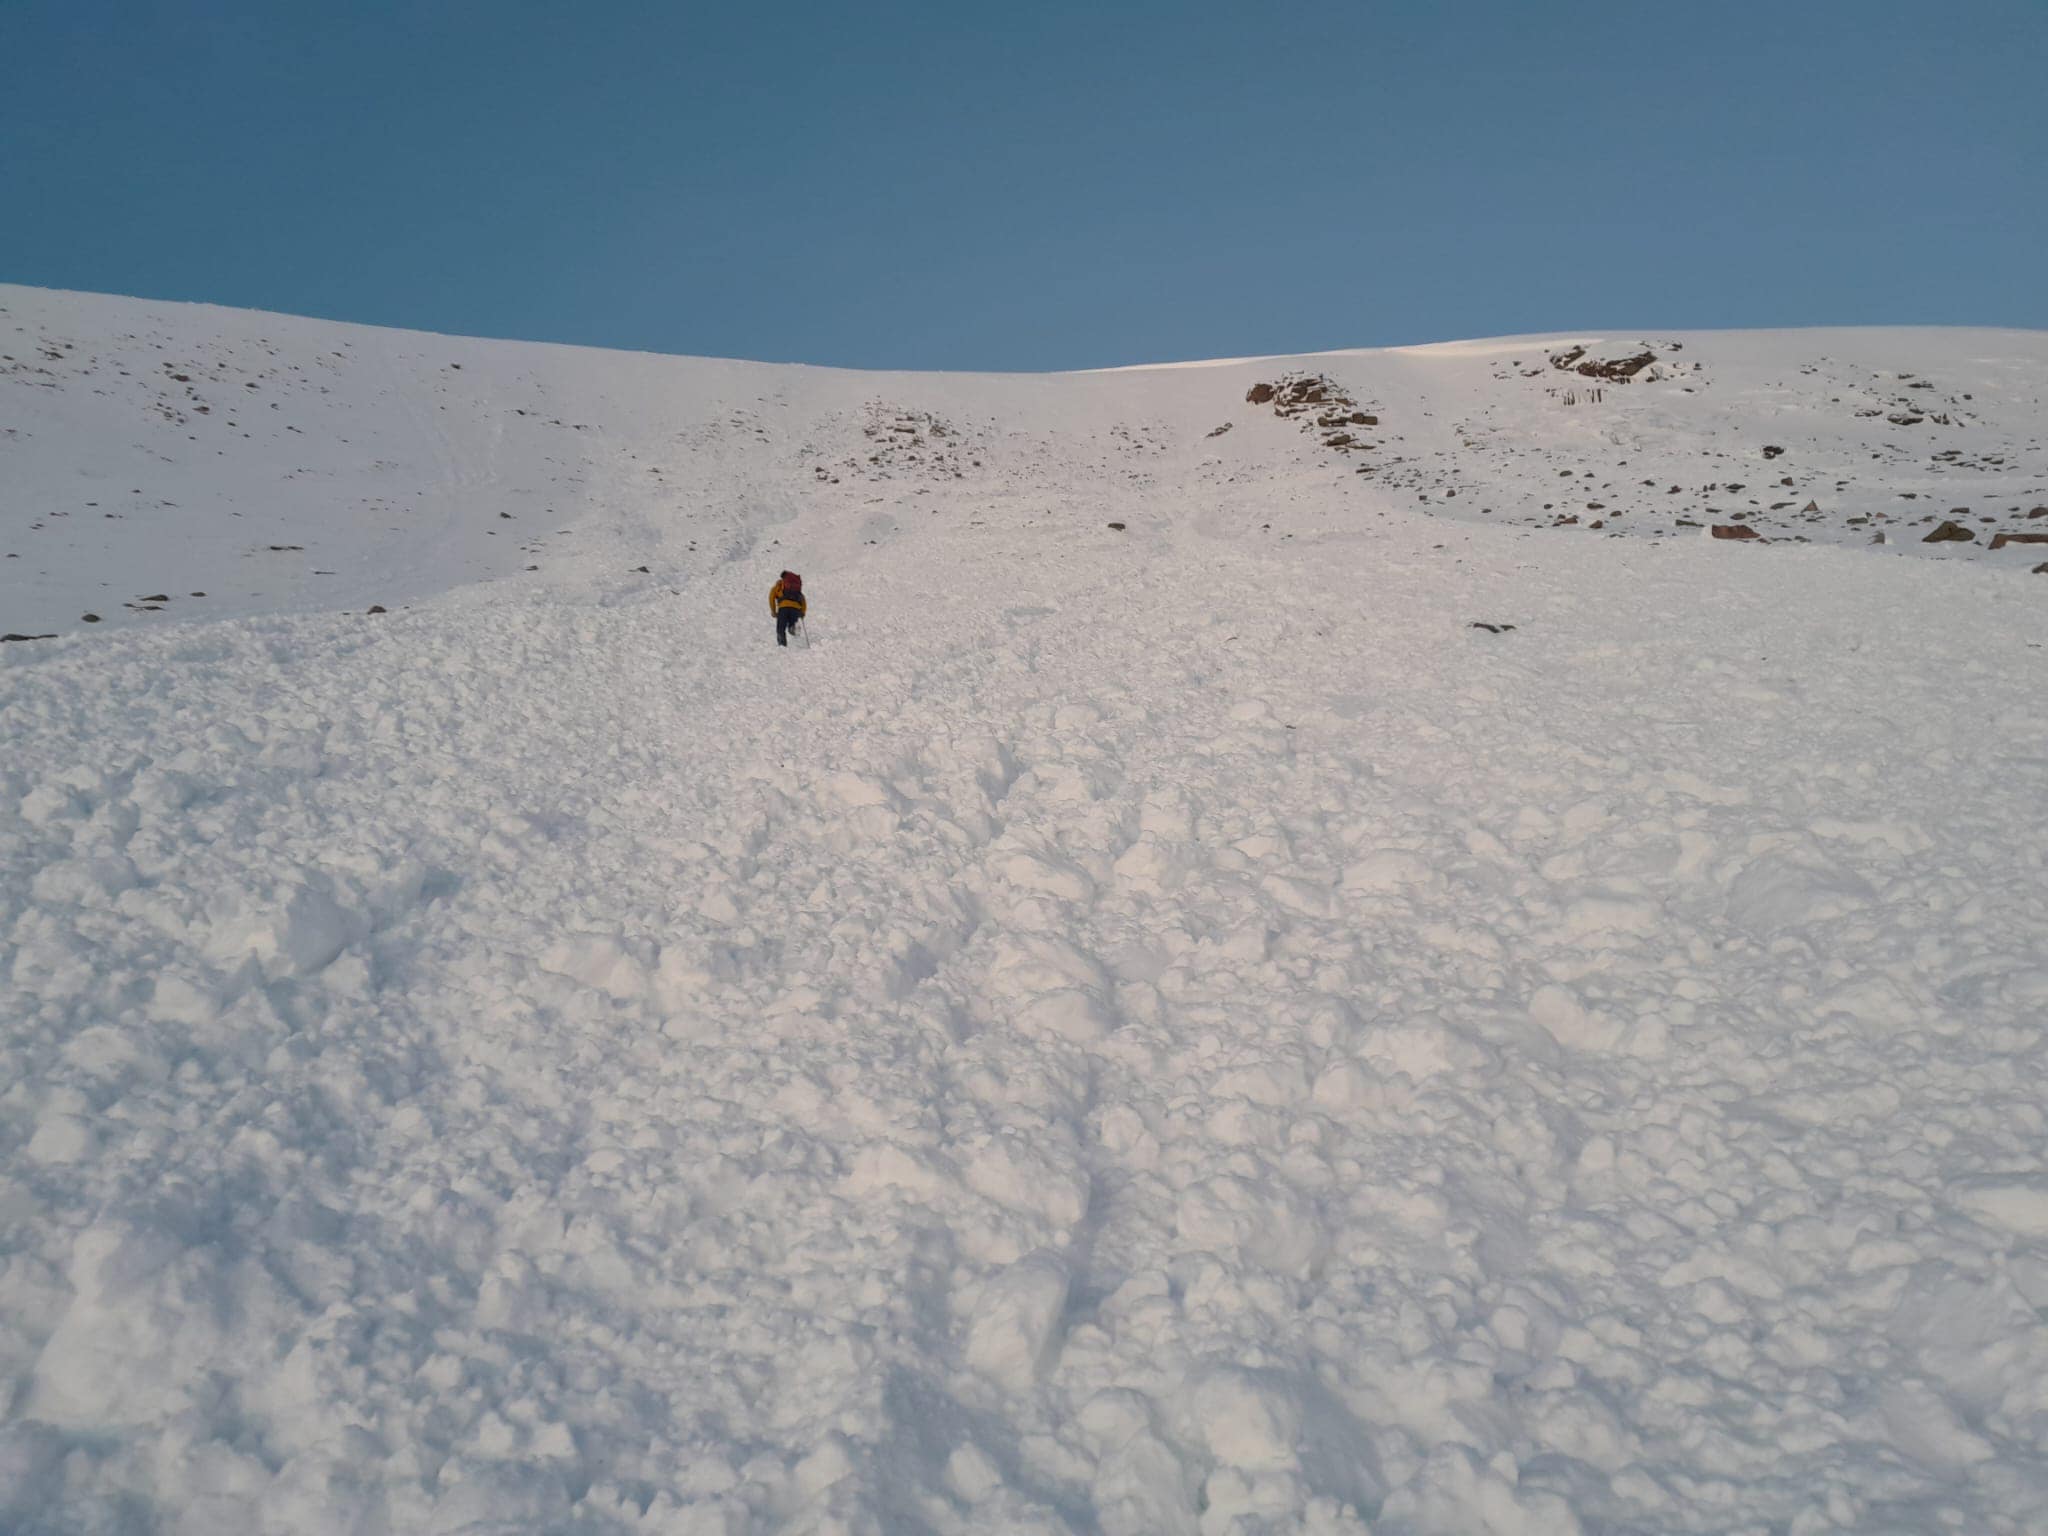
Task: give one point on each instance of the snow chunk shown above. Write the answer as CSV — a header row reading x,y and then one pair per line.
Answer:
x,y
2017,1202
1249,1419
621,968
1783,891
1015,1323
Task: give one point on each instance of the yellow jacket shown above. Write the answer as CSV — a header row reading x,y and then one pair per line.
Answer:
x,y
778,599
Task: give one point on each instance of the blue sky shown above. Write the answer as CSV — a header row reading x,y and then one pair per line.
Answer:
x,y
1034,185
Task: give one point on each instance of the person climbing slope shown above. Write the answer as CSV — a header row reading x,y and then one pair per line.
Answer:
x,y
786,602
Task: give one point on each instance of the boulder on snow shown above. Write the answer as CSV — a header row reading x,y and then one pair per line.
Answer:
x,y
1950,532
1259,394
1735,531
1772,450
2000,540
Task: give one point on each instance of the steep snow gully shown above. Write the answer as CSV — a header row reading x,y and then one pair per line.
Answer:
x,y
1168,1030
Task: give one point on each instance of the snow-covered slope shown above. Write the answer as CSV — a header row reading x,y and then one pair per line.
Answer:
x,y
167,460
1137,1030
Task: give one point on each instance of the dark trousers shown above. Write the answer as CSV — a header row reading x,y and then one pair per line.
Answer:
x,y
785,621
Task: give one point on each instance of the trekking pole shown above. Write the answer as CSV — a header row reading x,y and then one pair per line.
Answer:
x,y
805,630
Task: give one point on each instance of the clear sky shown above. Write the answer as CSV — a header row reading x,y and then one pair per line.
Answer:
x,y
1036,183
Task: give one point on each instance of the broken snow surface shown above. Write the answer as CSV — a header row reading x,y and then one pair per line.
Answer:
x,y
1140,1032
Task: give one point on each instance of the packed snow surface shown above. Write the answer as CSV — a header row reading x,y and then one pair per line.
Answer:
x,y
1135,1030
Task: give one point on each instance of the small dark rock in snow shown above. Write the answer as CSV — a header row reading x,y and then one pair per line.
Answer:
x,y
1950,532
1735,531
1119,527
155,597
2000,540
375,608
1491,629
638,570
88,618
1772,450
4,639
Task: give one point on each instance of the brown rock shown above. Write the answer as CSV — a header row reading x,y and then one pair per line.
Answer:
x,y
1735,531
1259,394
2000,540
1950,532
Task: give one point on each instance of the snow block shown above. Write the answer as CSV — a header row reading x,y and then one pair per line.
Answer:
x,y
1016,1320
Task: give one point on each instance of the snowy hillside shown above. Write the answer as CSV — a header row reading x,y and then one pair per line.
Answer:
x,y
1230,988
164,461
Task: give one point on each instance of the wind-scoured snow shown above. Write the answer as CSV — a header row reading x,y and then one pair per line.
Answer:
x,y
1166,1029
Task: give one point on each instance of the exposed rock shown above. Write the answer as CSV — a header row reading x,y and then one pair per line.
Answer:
x,y
2000,540
1491,629
1772,450
1117,527
1811,506
375,608
1950,532
1219,431
5,639
88,618
639,570
1735,531
1259,394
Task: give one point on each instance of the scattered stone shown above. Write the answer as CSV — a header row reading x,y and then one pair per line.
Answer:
x,y
282,549
1772,450
6,639
2039,512
638,570
1491,629
2000,540
1119,527
1219,431
88,618
1811,506
375,608
1259,394
155,597
1735,531
1950,532
2041,569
